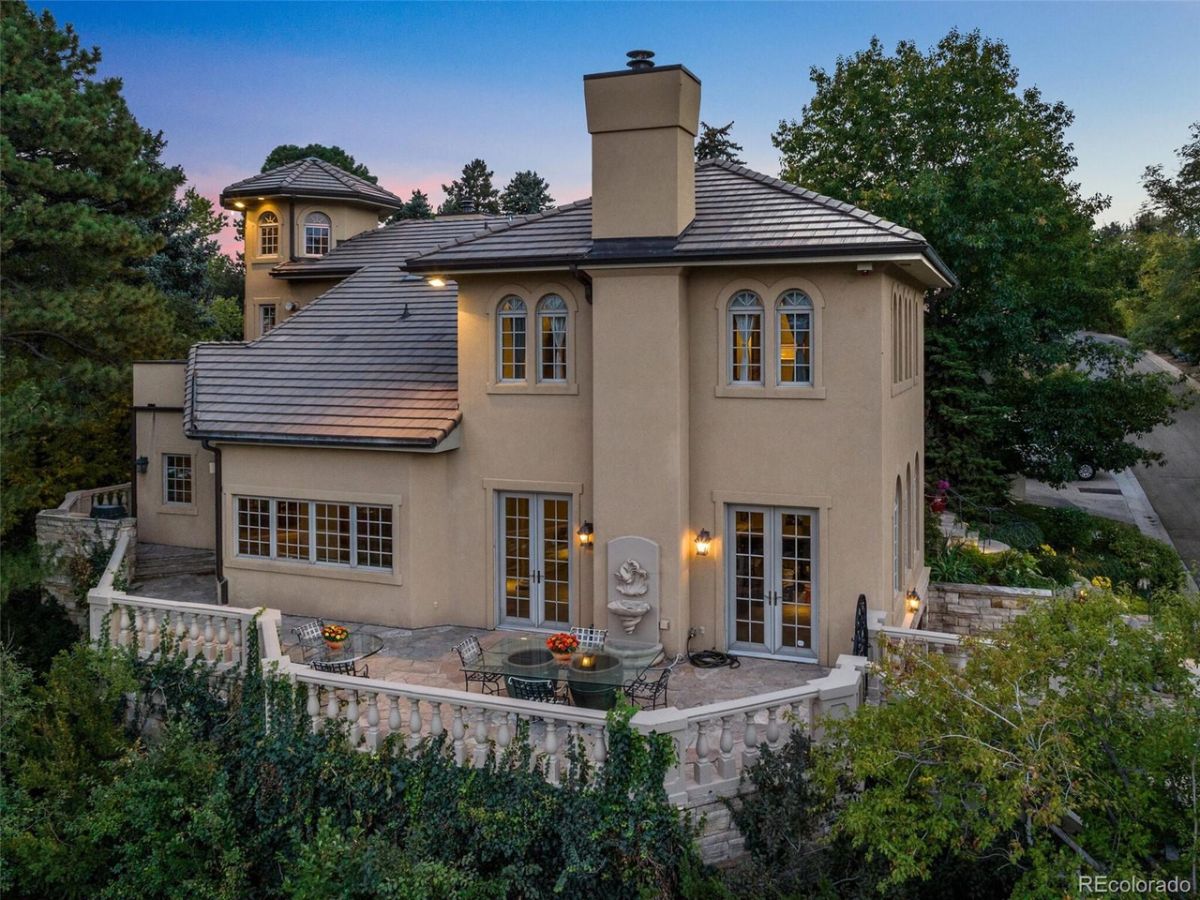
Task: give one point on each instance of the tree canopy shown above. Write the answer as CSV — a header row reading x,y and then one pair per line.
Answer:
x,y
947,143
417,207
525,194
717,143
335,155
84,196
475,185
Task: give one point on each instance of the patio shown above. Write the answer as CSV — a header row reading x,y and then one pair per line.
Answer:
x,y
424,656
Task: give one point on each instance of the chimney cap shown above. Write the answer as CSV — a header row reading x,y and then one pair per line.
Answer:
x,y
467,206
640,60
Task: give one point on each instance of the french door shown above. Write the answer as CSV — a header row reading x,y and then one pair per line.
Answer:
x,y
533,565
771,588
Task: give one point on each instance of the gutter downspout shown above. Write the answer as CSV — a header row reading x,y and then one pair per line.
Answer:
x,y
291,230
222,582
133,468
585,279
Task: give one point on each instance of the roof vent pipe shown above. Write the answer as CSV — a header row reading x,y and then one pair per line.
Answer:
x,y
468,205
640,60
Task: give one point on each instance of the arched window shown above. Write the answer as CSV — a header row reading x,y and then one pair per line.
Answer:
x,y
510,339
745,338
896,539
268,234
794,338
552,339
908,518
317,228
918,512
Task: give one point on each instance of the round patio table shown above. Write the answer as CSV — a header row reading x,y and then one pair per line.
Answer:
x,y
357,646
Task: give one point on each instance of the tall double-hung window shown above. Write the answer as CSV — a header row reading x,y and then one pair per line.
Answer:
x,y
317,232
552,338
268,234
794,338
510,336
745,338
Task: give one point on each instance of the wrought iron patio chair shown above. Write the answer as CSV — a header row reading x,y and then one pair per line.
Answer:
x,y
340,667
308,636
648,693
470,654
542,690
590,638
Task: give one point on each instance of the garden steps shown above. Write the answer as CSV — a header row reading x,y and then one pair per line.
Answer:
x,y
957,532
164,560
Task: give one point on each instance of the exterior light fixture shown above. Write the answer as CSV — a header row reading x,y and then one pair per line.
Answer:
x,y
912,601
436,281
703,541
239,204
143,464
586,534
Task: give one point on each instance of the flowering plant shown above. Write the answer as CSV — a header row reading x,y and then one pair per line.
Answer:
x,y
562,643
1102,581
335,634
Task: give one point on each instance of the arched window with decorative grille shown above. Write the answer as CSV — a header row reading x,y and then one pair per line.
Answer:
x,y
552,339
510,339
793,338
317,234
745,338
268,234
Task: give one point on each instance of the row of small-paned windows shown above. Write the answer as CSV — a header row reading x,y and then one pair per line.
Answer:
x,y
906,336
793,349
906,523
549,329
317,231
334,534
177,478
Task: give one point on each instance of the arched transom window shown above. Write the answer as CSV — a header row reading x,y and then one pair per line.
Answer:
x,y
552,339
794,338
317,229
745,338
510,339
268,234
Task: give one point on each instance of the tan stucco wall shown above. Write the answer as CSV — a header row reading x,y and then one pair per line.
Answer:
x,y
158,422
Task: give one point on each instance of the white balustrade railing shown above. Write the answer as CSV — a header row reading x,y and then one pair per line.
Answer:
x,y
887,640
80,503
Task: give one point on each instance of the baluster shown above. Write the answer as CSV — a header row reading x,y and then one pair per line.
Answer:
x,y
726,767
373,721
552,751
237,652
703,767
573,746
503,735
352,718
458,732
750,739
222,653
481,737
180,633
333,708
394,718
194,640
210,650
139,629
773,727
151,631
435,723
599,749
414,722
314,706
127,636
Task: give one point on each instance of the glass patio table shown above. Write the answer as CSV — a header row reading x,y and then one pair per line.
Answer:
x,y
357,646
594,677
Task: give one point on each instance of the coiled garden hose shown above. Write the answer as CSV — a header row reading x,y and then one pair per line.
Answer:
x,y
710,659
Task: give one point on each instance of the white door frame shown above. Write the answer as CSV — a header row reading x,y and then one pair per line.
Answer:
x,y
537,562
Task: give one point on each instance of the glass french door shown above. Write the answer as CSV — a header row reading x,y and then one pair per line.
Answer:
x,y
534,560
770,585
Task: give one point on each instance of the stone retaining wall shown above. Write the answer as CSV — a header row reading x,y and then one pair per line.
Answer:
x,y
61,535
970,609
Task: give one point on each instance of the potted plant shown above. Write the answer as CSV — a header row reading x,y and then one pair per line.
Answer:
x,y
562,645
334,635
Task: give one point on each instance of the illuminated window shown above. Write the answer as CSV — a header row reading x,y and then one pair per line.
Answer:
x,y
510,335
552,338
317,228
313,531
177,478
794,338
745,338
268,234
266,318
254,527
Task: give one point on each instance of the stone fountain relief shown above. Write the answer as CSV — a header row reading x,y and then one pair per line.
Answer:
x,y
633,593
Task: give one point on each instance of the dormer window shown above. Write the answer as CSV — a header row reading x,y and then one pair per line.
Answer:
x,y
794,338
745,336
268,234
552,339
317,229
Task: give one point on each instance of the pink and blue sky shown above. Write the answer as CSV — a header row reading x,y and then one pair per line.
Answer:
x,y
415,90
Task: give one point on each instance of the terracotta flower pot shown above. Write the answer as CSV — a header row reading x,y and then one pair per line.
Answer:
x,y
334,646
561,658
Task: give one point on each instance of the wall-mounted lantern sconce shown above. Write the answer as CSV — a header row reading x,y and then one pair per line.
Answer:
x,y
912,600
703,541
143,464
436,281
586,534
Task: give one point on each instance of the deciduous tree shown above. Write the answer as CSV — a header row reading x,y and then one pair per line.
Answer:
x,y
335,155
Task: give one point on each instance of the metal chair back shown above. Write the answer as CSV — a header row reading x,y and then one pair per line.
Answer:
x,y
644,690
468,650
539,689
339,667
308,635
590,638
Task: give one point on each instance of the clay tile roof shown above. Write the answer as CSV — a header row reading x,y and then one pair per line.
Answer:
x,y
351,368
312,177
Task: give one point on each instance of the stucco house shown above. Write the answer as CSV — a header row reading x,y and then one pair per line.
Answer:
x,y
692,403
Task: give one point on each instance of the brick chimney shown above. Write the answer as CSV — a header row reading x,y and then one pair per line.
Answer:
x,y
643,123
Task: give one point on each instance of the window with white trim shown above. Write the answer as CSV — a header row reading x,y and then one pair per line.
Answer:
x,y
552,339
510,338
177,478
793,338
315,531
745,338
908,518
317,231
268,234
896,574
267,316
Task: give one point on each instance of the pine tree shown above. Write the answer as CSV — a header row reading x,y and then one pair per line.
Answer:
x,y
475,185
82,181
417,207
527,193
717,143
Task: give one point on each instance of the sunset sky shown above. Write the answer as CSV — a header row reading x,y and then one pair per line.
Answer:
x,y
415,90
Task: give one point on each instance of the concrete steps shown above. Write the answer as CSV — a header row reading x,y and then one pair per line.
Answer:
x,y
163,560
956,532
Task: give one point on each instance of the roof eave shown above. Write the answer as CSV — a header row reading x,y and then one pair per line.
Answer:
x,y
377,203
447,441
